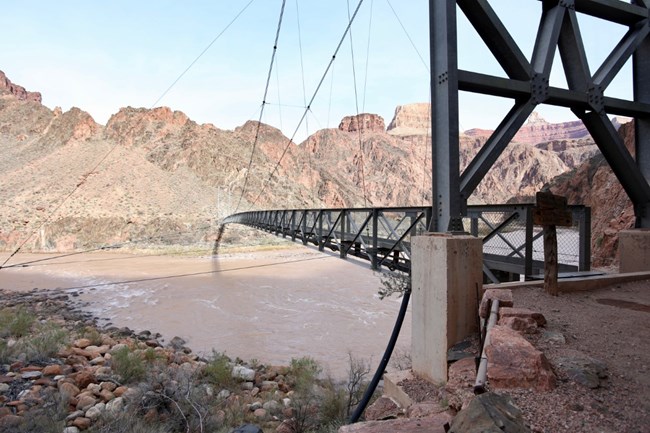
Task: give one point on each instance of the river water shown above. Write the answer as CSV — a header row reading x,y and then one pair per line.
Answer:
x,y
267,305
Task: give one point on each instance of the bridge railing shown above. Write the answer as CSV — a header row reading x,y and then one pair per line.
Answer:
x,y
512,246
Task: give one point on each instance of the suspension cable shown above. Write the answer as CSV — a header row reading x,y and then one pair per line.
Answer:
x,y
408,35
302,67
201,53
307,109
259,122
356,103
112,149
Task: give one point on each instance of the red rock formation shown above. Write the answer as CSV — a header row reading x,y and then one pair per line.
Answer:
x,y
365,122
18,91
538,130
594,184
411,119
515,363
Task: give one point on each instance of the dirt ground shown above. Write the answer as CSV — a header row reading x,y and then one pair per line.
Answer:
x,y
611,325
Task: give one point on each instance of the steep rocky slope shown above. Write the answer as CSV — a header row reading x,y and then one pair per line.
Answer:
x,y
156,175
594,184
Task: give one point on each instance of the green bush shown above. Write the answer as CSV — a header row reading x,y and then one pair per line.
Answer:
x,y
303,373
15,322
394,283
44,342
218,371
128,364
91,334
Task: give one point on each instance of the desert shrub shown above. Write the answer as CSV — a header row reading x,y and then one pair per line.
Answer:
x,y
303,373
355,387
46,418
152,356
91,334
43,343
401,359
128,422
321,405
394,283
15,322
128,364
218,371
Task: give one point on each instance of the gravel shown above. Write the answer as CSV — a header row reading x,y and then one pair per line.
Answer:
x,y
615,333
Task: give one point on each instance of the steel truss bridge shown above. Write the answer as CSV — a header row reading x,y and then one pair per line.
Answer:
x,y
512,245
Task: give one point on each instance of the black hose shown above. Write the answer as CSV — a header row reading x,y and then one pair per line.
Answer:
x,y
384,361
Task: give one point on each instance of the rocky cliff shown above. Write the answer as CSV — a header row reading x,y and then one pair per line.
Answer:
x,y
411,119
154,175
364,122
594,184
6,86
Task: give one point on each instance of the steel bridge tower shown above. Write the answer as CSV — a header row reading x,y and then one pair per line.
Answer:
x,y
527,84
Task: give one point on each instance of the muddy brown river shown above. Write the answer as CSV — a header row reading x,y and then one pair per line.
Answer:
x,y
267,305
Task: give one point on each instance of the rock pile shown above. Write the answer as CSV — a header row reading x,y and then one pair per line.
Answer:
x,y
109,374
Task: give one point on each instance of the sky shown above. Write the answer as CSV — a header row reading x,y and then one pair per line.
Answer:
x,y
101,56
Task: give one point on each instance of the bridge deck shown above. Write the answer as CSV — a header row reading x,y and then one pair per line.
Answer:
x,y
511,244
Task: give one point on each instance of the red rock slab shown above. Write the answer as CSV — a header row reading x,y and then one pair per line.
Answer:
x,y
524,325
6,379
432,424
514,363
52,370
31,368
522,313
503,295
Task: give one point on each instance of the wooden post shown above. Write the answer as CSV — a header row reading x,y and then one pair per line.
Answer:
x,y
551,211
550,260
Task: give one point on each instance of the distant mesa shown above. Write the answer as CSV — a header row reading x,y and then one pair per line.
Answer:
x,y
538,130
411,119
364,122
6,86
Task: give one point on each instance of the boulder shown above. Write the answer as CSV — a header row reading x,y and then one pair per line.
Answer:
x,y
489,413
52,370
84,378
177,343
383,408
460,385
503,295
586,371
432,424
524,313
514,363
525,325
243,373
82,423
115,406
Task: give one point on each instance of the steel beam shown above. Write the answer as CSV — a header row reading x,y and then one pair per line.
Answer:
x,y
621,54
548,34
492,149
447,202
615,11
572,53
623,165
641,86
495,35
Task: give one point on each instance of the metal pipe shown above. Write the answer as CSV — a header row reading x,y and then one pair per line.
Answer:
x,y
379,373
481,374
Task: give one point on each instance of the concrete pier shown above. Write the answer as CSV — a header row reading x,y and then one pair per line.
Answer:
x,y
634,250
446,273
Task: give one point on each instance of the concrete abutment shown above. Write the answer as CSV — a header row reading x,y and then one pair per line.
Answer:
x,y
447,274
